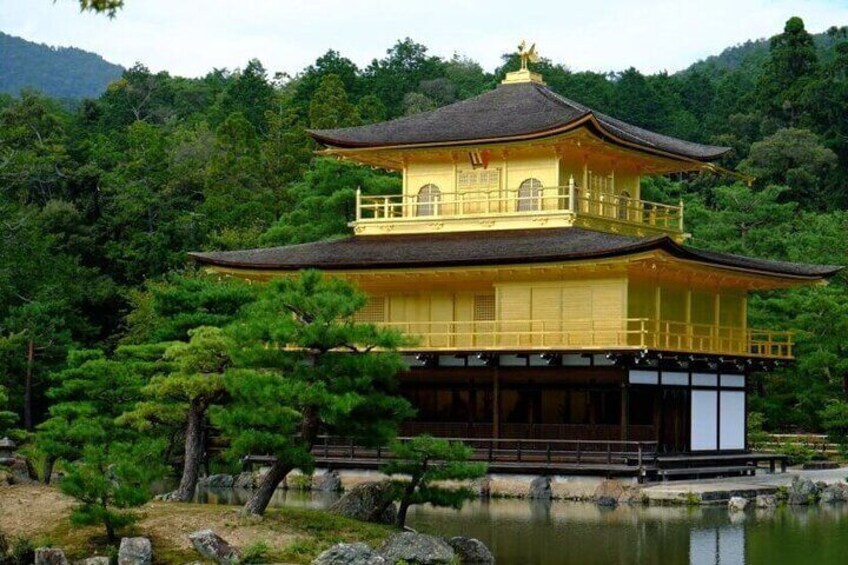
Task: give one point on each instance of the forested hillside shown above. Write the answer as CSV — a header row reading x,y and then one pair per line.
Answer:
x,y
99,206
61,72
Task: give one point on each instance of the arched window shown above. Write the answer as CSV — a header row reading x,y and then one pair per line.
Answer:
x,y
623,205
428,199
529,195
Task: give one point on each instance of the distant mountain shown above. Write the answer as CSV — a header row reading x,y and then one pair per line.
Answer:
x,y
61,72
751,55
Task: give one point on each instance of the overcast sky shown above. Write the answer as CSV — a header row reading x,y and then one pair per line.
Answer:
x,y
191,37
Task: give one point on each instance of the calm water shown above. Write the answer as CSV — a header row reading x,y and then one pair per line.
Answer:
x,y
572,533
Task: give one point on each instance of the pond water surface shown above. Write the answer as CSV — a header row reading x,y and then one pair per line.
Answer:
x,y
574,533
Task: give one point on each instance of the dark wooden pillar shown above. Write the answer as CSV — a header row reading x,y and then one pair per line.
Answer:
x,y
625,412
496,401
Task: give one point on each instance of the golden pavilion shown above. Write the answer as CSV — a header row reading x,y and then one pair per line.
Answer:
x,y
556,311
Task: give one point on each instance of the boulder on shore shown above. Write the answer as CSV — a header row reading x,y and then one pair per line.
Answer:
x,y
540,488
50,556
213,547
369,502
421,549
802,491
135,551
471,551
609,493
329,481
349,554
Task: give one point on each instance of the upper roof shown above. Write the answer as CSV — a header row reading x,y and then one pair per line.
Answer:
x,y
510,112
486,248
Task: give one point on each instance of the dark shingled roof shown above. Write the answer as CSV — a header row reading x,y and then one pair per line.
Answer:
x,y
527,110
506,247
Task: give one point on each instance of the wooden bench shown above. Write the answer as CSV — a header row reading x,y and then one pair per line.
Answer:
x,y
698,471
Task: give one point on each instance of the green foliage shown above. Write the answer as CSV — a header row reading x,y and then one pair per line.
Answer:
x,y
108,482
256,552
7,417
330,107
61,72
195,381
167,310
326,201
426,461
797,453
757,436
834,418
330,379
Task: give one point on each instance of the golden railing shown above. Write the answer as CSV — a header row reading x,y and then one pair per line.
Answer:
x,y
596,334
535,202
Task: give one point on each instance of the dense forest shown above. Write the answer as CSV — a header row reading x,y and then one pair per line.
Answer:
x,y
61,72
99,204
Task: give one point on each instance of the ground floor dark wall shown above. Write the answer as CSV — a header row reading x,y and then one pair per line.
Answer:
x,y
592,403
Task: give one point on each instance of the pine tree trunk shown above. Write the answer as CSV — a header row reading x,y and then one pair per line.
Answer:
x,y
193,453
405,501
260,499
28,423
47,469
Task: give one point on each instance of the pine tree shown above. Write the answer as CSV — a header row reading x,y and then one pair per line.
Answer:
x,y
330,107
426,460
110,480
183,397
7,417
787,74
89,395
305,367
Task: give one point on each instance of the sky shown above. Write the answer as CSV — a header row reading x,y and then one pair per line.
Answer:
x,y
192,37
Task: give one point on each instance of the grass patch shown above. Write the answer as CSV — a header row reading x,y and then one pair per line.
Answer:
x,y
288,535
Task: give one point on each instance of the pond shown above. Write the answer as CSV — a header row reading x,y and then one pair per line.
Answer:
x,y
570,533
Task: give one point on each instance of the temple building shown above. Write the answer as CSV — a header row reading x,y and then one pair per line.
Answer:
x,y
549,300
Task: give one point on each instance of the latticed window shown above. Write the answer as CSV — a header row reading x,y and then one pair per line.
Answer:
x,y
529,195
484,307
374,311
428,199
478,180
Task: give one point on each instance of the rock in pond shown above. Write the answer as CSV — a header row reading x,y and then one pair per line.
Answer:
x,y
213,547
421,549
329,481
738,503
540,489
765,501
802,491
217,481
248,480
349,554
99,560
471,551
135,551
50,556
368,502
832,494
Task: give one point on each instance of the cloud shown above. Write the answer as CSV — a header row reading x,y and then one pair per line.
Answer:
x,y
191,37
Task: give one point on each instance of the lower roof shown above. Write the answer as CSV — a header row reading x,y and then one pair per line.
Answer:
x,y
486,248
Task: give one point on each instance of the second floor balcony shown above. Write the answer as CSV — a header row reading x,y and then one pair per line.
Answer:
x,y
534,206
595,335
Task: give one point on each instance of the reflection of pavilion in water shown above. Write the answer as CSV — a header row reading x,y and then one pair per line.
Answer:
x,y
720,545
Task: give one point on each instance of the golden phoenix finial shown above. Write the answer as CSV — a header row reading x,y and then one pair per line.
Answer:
x,y
527,55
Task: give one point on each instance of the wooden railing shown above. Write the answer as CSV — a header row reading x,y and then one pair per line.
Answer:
x,y
594,334
549,452
536,202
